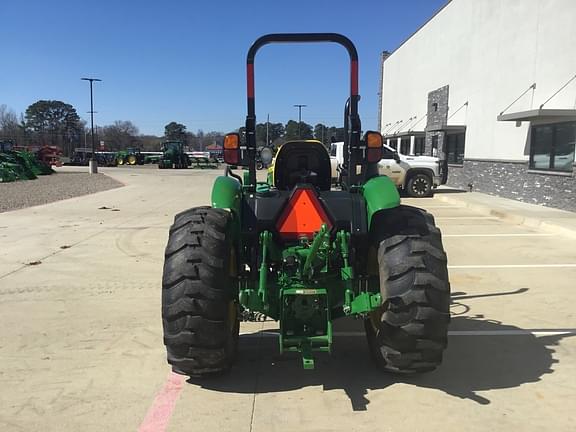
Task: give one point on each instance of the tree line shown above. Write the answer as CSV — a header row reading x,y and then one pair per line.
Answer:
x,y
56,123
278,133
267,134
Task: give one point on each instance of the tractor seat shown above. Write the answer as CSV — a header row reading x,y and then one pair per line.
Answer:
x,y
302,162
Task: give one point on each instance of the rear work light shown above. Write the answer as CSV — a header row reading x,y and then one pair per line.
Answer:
x,y
302,216
373,142
232,149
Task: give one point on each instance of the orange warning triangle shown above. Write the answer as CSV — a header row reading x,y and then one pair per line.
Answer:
x,y
302,216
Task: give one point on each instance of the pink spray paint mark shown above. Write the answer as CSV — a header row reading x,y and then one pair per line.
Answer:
x,y
159,414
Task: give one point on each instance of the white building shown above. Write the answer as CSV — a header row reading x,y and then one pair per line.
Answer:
x,y
490,86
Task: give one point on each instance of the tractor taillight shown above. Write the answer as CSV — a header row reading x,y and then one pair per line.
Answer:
x,y
302,216
232,149
373,142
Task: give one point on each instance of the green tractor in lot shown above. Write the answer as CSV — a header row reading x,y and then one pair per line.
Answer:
x,y
173,155
301,253
130,156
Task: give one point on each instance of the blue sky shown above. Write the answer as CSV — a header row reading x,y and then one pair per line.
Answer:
x,y
184,61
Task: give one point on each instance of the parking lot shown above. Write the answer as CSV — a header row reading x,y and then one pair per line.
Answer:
x,y
81,336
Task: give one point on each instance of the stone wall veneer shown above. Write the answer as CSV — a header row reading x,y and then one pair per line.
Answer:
x,y
513,180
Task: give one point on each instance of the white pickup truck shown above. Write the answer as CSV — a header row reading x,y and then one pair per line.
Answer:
x,y
418,176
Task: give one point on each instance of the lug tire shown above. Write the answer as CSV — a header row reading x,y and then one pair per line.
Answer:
x,y
419,186
199,311
409,332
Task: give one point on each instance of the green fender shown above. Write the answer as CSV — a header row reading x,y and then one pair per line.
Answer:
x,y
226,193
380,193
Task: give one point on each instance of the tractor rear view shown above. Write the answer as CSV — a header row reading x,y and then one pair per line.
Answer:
x,y
303,254
173,155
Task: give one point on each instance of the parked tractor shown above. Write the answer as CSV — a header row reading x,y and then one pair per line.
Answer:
x,y
173,155
304,254
130,156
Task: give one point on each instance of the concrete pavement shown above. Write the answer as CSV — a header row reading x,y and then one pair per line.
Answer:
x,y
537,216
81,341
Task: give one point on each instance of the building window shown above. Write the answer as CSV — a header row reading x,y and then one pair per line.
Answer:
x,y
394,143
405,146
434,146
419,146
455,148
552,147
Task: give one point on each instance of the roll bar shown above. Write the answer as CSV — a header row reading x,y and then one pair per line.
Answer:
x,y
352,139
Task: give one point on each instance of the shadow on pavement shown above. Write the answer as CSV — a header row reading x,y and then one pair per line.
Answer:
x,y
472,363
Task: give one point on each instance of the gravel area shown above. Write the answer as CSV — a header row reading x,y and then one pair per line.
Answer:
x,y
50,188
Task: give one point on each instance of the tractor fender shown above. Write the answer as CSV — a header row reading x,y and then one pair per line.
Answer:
x,y
380,193
226,194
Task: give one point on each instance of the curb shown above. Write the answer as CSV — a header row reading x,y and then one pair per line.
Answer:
x,y
530,222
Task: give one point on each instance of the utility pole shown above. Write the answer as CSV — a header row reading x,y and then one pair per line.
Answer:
x,y
93,164
267,125
299,117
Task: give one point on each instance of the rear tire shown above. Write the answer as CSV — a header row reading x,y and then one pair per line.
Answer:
x,y
199,308
419,186
408,334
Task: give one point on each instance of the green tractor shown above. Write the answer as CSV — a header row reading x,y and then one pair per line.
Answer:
x,y
173,155
130,156
304,254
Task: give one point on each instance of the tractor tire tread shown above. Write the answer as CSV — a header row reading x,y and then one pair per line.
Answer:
x,y
195,294
411,334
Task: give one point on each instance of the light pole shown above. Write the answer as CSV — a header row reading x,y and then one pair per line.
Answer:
x,y
299,116
267,127
93,164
